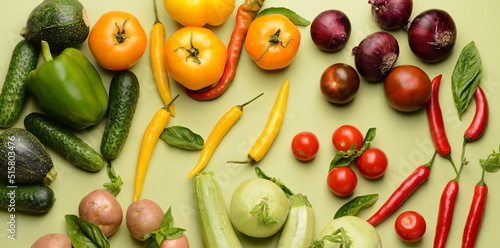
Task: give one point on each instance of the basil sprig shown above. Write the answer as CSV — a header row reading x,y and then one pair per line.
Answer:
x,y
166,231
182,137
114,186
290,14
466,77
492,163
84,234
352,207
344,158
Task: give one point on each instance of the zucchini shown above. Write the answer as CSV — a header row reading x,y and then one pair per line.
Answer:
x,y
299,227
24,59
216,228
123,98
64,142
23,159
62,23
34,198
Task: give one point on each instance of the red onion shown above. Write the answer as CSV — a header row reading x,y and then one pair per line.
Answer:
x,y
391,14
330,30
432,35
376,55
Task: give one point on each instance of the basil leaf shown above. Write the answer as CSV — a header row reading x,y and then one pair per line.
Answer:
x,y
369,137
492,163
291,15
466,77
183,138
84,234
352,207
116,181
166,230
278,182
151,243
344,158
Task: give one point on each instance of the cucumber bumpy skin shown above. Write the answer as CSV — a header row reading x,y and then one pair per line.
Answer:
x,y
24,59
33,198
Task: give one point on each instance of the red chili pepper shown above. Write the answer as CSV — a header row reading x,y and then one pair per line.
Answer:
x,y
478,125
445,214
475,215
246,13
438,132
407,187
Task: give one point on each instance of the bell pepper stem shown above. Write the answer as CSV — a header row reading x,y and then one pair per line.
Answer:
x,y
47,56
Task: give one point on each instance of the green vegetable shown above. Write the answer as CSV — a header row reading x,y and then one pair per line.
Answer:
x,y
166,231
85,234
69,88
23,159
278,182
24,59
62,23
299,227
492,163
294,17
116,181
64,142
353,206
343,158
348,231
183,138
466,77
123,97
215,225
33,198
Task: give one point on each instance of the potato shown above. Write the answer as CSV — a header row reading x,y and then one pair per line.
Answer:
x,y
143,216
181,242
53,240
101,208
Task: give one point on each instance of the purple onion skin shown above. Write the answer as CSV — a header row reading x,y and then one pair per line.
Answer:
x,y
376,55
432,35
391,14
330,30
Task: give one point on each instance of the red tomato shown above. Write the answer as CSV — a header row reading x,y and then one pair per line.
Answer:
x,y
407,88
345,136
410,226
372,163
305,145
342,180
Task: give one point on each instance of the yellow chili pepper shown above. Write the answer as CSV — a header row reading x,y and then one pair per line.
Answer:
x,y
157,42
219,131
151,136
266,138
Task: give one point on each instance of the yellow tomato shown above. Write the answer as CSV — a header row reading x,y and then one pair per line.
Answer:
x,y
199,12
117,40
272,41
195,57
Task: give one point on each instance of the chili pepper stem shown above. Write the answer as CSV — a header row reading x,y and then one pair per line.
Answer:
x,y
452,163
429,164
170,104
253,99
157,20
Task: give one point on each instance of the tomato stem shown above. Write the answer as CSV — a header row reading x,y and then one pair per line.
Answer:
x,y
274,40
120,36
193,51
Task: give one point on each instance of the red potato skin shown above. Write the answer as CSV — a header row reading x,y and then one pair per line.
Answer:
x,y
143,216
181,242
53,240
101,208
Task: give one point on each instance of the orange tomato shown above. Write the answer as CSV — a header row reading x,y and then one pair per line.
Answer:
x,y
195,57
199,12
272,41
117,40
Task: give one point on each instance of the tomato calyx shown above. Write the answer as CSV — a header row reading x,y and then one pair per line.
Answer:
x,y
274,40
193,51
120,36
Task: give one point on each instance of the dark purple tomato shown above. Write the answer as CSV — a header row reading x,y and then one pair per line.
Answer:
x,y
339,83
407,88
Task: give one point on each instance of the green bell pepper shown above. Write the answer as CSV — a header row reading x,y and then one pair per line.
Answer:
x,y
69,88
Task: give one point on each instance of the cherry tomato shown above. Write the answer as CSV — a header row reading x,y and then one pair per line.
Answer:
x,y
195,57
305,146
342,180
410,226
407,88
345,136
272,41
199,12
372,163
339,83
117,40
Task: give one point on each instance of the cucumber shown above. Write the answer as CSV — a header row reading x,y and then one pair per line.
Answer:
x,y
215,224
299,227
64,142
123,98
32,198
62,23
23,159
24,59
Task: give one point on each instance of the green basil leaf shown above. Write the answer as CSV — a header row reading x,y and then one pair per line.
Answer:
x,y
345,158
116,181
466,77
291,15
352,207
369,137
151,243
84,234
278,182
492,163
183,138
166,230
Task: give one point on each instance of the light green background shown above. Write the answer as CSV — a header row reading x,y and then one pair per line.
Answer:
x,y
404,137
